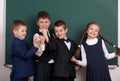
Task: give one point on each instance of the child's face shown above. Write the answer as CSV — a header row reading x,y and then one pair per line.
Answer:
x,y
20,32
93,31
60,32
43,23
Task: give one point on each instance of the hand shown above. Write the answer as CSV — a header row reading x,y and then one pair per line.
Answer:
x,y
36,41
73,59
36,37
117,51
42,39
44,31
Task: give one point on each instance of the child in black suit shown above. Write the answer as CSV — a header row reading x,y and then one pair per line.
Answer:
x,y
64,68
44,59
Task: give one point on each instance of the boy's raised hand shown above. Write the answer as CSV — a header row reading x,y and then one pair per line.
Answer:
x,y
42,39
44,31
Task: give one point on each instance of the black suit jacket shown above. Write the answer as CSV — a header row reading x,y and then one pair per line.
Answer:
x,y
48,54
63,67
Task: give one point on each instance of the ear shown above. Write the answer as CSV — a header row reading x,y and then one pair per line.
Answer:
x,y
14,31
37,23
49,21
66,30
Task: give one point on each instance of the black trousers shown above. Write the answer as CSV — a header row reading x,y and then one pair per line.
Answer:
x,y
43,71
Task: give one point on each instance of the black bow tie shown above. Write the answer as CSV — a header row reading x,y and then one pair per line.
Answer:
x,y
66,40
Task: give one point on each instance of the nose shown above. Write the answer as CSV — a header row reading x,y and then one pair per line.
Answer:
x,y
44,24
58,33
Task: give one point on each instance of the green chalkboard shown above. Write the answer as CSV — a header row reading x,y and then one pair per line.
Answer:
x,y
76,13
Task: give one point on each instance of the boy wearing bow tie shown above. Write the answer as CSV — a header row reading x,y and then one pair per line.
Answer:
x,y
64,68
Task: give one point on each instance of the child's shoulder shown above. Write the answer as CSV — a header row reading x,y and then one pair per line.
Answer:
x,y
100,40
17,41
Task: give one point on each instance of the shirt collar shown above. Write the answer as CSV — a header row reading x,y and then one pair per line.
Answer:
x,y
91,41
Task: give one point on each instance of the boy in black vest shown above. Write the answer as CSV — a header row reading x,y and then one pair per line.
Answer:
x,y
44,57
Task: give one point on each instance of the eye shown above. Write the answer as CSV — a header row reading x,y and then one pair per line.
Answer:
x,y
96,30
60,30
91,28
41,22
46,21
56,31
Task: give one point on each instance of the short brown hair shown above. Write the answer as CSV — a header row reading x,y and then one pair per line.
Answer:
x,y
43,14
17,23
60,23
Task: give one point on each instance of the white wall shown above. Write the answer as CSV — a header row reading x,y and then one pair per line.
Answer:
x,y
4,72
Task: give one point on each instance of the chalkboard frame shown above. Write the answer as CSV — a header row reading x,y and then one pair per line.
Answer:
x,y
30,19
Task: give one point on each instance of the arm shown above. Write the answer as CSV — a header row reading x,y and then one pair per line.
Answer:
x,y
107,54
22,51
82,62
51,45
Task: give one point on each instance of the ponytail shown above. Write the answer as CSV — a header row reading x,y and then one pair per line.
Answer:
x,y
77,53
117,49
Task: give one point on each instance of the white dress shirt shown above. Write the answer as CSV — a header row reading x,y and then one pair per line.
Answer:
x,y
67,43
